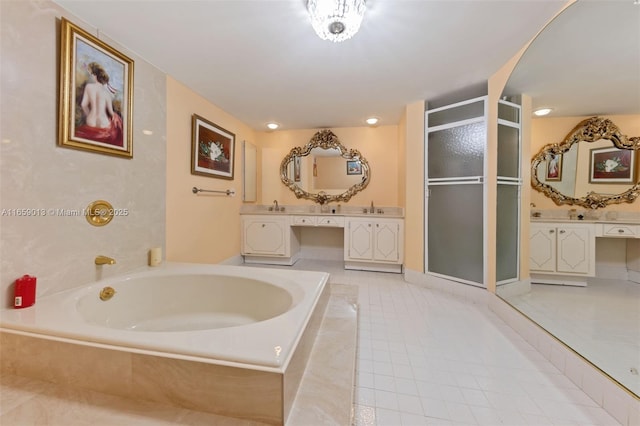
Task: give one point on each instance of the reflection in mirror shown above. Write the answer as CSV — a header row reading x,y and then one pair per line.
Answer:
x,y
249,159
594,166
581,66
324,170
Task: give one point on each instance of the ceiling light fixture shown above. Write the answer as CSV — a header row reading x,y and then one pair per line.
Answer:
x,y
272,126
542,111
336,20
372,121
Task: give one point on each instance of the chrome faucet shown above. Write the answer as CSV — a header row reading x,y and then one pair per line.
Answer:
x,y
104,260
275,205
372,209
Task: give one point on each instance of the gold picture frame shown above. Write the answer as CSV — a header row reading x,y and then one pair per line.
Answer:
x,y
96,94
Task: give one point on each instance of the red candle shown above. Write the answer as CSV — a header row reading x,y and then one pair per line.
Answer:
x,y
25,292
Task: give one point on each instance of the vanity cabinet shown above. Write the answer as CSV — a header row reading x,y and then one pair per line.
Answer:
x,y
373,244
565,249
268,239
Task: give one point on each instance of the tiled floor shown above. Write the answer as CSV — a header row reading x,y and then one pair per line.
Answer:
x,y
425,358
600,321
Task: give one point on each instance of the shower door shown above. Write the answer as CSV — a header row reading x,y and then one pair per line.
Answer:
x,y
455,166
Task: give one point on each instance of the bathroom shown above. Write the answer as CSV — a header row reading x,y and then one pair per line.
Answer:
x,y
154,187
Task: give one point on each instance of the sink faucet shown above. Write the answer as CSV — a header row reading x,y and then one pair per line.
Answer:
x,y
275,205
372,209
104,260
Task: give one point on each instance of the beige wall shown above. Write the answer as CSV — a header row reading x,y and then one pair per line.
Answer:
x,y
546,131
413,160
379,145
37,174
202,228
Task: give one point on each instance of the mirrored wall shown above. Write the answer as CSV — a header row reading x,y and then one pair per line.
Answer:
x,y
585,63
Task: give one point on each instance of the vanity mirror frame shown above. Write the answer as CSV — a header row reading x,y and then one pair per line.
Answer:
x,y
325,139
589,130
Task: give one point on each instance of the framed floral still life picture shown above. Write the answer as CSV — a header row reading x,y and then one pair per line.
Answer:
x,y
554,167
611,165
212,149
96,94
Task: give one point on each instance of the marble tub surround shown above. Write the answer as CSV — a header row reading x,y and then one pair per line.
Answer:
x,y
258,395
247,371
324,395
178,295
329,209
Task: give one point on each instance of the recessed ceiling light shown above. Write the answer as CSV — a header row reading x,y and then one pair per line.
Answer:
x,y
542,111
147,132
371,121
272,126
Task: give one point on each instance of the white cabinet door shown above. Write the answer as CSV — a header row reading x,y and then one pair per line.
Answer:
x,y
385,241
359,240
573,250
377,240
265,236
542,253
561,248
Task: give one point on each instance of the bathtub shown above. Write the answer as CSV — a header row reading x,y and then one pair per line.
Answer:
x,y
204,324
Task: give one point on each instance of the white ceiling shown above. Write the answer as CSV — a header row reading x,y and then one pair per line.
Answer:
x,y
260,60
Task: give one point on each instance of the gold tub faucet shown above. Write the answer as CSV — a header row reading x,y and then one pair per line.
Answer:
x,y
104,260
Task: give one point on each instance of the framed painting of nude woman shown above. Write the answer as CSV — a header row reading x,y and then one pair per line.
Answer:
x,y
96,94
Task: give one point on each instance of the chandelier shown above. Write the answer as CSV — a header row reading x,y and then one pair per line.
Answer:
x,y
336,20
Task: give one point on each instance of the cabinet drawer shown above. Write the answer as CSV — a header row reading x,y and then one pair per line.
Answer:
x,y
624,231
303,220
331,221
334,221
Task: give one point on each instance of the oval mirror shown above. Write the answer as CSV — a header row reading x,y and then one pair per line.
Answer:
x,y
600,165
325,171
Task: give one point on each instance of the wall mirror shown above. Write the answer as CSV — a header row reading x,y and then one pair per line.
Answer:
x,y
594,166
325,171
583,67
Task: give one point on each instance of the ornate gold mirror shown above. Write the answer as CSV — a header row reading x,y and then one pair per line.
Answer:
x,y
324,171
594,166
